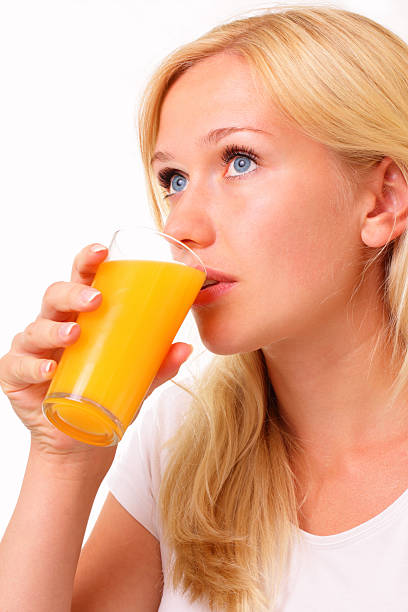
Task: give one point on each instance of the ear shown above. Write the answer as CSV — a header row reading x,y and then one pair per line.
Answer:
x,y
385,217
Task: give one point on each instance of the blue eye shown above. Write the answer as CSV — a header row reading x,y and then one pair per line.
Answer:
x,y
171,181
178,182
244,160
241,164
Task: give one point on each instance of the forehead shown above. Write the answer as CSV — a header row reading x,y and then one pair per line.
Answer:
x,y
217,91
226,91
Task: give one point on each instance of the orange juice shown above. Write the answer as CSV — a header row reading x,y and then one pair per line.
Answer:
x,y
108,371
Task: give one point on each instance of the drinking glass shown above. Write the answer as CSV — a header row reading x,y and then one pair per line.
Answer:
x,y
148,282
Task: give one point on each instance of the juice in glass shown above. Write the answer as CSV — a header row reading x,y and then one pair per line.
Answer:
x,y
101,380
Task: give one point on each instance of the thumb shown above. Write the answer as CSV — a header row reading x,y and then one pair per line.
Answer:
x,y
178,353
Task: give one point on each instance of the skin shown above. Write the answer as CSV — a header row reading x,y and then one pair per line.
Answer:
x,y
297,258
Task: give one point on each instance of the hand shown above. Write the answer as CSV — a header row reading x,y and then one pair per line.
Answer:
x,y
23,375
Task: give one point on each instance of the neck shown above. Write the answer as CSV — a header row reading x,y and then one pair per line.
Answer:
x,y
333,386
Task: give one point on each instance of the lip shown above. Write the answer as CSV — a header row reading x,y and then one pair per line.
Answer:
x,y
213,292
218,275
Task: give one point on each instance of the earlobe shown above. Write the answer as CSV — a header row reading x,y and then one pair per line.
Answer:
x,y
386,219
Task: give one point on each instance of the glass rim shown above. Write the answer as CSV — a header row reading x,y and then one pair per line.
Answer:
x,y
156,231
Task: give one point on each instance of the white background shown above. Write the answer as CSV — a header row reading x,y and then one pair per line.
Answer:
x,y
71,75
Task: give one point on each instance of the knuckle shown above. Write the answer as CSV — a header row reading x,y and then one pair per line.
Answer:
x,y
3,384
77,288
79,257
18,368
55,333
75,295
2,367
50,291
17,340
29,331
54,286
75,263
81,265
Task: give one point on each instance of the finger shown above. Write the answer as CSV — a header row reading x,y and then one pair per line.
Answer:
x,y
86,263
62,301
19,371
178,353
43,335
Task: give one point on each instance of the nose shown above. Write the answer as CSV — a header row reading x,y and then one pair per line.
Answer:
x,y
190,220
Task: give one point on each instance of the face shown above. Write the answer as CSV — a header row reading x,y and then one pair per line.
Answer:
x,y
256,202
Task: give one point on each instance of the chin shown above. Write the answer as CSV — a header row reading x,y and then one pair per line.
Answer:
x,y
217,349
229,336
226,343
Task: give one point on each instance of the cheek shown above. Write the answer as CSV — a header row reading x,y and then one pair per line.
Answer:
x,y
293,253
290,228
299,252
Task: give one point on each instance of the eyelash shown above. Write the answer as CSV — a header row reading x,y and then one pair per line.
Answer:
x,y
228,154
232,151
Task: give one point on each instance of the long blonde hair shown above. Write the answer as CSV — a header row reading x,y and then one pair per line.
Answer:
x,y
227,499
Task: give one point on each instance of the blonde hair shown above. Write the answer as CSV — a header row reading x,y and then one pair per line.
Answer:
x,y
227,499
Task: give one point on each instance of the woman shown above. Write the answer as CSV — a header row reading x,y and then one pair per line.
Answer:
x,y
276,147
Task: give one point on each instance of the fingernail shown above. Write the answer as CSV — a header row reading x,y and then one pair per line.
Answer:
x,y
96,248
87,295
47,367
65,330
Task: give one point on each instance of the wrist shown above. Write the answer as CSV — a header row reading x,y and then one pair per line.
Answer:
x,y
85,465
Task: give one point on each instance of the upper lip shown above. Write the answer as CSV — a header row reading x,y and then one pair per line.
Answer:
x,y
217,275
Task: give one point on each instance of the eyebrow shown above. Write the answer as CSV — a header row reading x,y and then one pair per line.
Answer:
x,y
212,137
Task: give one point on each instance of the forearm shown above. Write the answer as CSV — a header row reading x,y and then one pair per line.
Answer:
x,y
40,549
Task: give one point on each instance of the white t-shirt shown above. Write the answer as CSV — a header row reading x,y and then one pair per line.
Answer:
x,y
364,569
